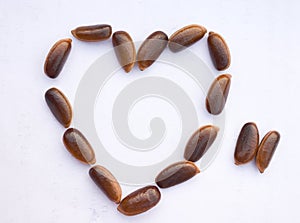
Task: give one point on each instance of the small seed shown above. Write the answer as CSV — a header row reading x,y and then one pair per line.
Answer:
x,y
266,150
185,37
92,33
176,173
217,94
57,57
78,146
219,51
59,106
140,201
124,49
151,49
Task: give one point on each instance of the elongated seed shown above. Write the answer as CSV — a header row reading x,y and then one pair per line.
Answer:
x,y
104,179
151,49
185,37
219,51
124,49
59,106
266,150
200,142
78,146
217,94
247,143
57,57
176,173
140,201
92,33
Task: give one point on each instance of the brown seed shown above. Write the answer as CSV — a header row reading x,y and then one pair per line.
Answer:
x,y
124,49
78,146
247,143
140,201
266,150
219,51
176,173
104,179
57,57
217,94
151,49
92,33
185,37
200,142
59,106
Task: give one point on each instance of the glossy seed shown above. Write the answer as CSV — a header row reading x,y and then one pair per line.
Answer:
x,y
217,94
104,179
266,150
57,57
59,106
92,33
140,201
176,173
185,37
247,143
78,146
219,51
200,142
124,49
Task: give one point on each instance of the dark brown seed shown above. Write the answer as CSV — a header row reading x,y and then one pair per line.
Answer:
x,y
217,94
140,201
57,57
59,106
176,173
78,146
92,33
200,142
247,143
104,179
219,51
124,49
185,37
266,150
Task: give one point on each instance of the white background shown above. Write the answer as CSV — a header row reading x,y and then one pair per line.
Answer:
x,y
41,182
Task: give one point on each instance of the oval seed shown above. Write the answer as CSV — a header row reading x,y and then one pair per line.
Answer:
x,y
78,146
219,51
176,173
57,57
217,94
124,49
92,33
266,150
185,37
151,48
247,143
200,142
104,179
59,106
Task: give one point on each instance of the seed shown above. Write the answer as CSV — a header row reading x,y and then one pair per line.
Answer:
x,y
59,106
57,57
104,179
185,37
266,150
92,33
200,142
176,174
217,94
140,201
124,49
151,48
247,143
219,51
78,146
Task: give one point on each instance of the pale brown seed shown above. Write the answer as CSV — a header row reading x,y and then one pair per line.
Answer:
x,y
92,33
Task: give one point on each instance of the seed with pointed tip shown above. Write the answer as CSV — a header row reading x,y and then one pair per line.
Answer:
x,y
92,33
